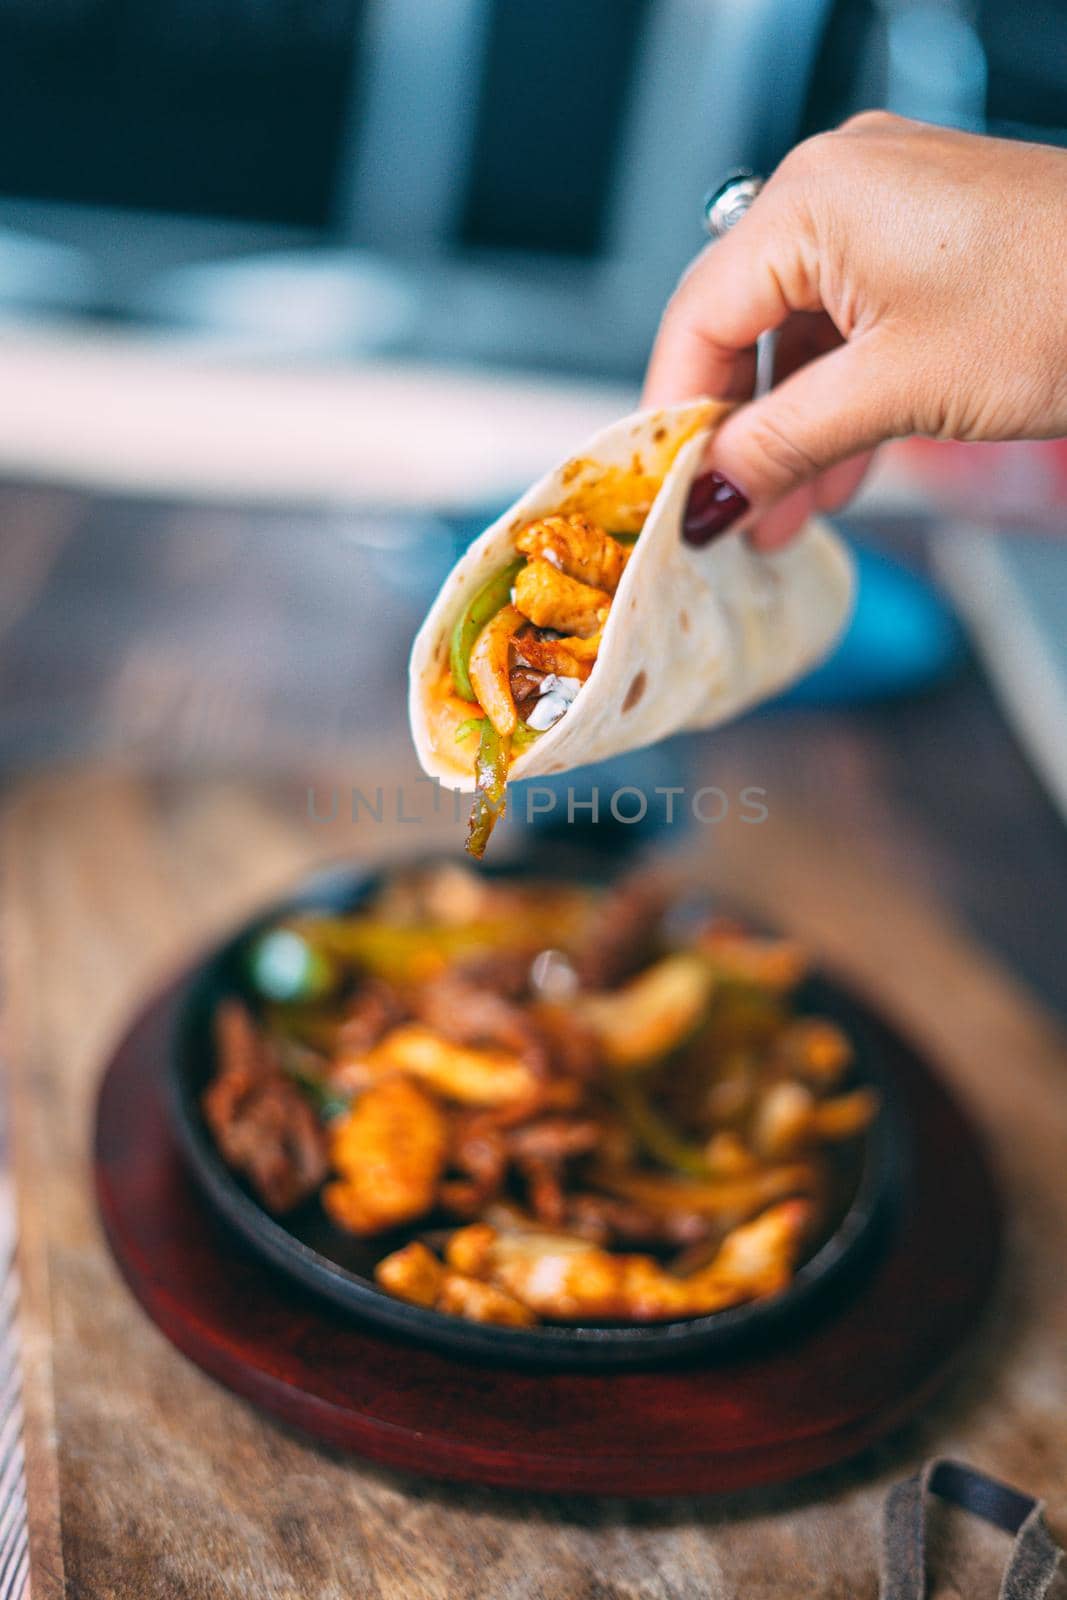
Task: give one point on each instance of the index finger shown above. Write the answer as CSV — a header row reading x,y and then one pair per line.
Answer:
x,y
736,289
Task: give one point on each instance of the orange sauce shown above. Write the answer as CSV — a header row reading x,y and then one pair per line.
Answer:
x,y
445,713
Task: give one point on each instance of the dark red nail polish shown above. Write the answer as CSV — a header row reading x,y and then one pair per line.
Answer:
x,y
714,505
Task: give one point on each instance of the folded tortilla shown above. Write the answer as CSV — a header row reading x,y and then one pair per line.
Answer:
x,y
694,636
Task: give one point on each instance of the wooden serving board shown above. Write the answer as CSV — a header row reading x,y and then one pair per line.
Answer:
x,y
147,1479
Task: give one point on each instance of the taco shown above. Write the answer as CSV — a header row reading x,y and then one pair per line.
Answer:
x,y
580,626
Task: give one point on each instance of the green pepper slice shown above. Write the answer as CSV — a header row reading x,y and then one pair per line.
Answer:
x,y
654,1132
484,605
524,736
490,795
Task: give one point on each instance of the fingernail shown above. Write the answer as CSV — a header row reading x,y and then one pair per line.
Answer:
x,y
714,505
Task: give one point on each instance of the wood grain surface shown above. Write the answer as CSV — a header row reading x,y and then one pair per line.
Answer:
x,y
148,1480
187,671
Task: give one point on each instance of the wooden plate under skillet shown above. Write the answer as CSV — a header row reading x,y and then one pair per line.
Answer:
x,y
307,1247
794,1394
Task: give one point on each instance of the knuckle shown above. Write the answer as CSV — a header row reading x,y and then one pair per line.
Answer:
x,y
773,445
870,121
806,156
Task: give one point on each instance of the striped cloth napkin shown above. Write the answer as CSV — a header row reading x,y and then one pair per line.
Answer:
x,y
14,1544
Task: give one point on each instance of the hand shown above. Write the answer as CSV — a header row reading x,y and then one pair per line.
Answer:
x,y
919,277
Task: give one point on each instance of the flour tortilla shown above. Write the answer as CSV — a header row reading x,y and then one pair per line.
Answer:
x,y
693,637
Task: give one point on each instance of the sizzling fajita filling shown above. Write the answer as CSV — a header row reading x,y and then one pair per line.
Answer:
x,y
522,1100
526,643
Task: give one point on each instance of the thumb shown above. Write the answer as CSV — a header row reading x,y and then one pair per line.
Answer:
x,y
836,407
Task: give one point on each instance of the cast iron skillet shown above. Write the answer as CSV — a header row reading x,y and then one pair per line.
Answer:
x,y
307,1248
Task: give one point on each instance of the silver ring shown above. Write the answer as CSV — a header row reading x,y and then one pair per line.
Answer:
x,y
726,204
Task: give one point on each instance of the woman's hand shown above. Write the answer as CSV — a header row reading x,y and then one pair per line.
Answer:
x,y
919,277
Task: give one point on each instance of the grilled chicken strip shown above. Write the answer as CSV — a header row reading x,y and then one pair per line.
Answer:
x,y
490,1077
578,547
551,599
414,1274
568,657
490,664
564,1278
389,1152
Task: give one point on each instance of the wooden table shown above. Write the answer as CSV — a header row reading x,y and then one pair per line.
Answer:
x,y
887,832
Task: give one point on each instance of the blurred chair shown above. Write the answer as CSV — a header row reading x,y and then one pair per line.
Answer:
x,y
435,179
694,101
936,69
